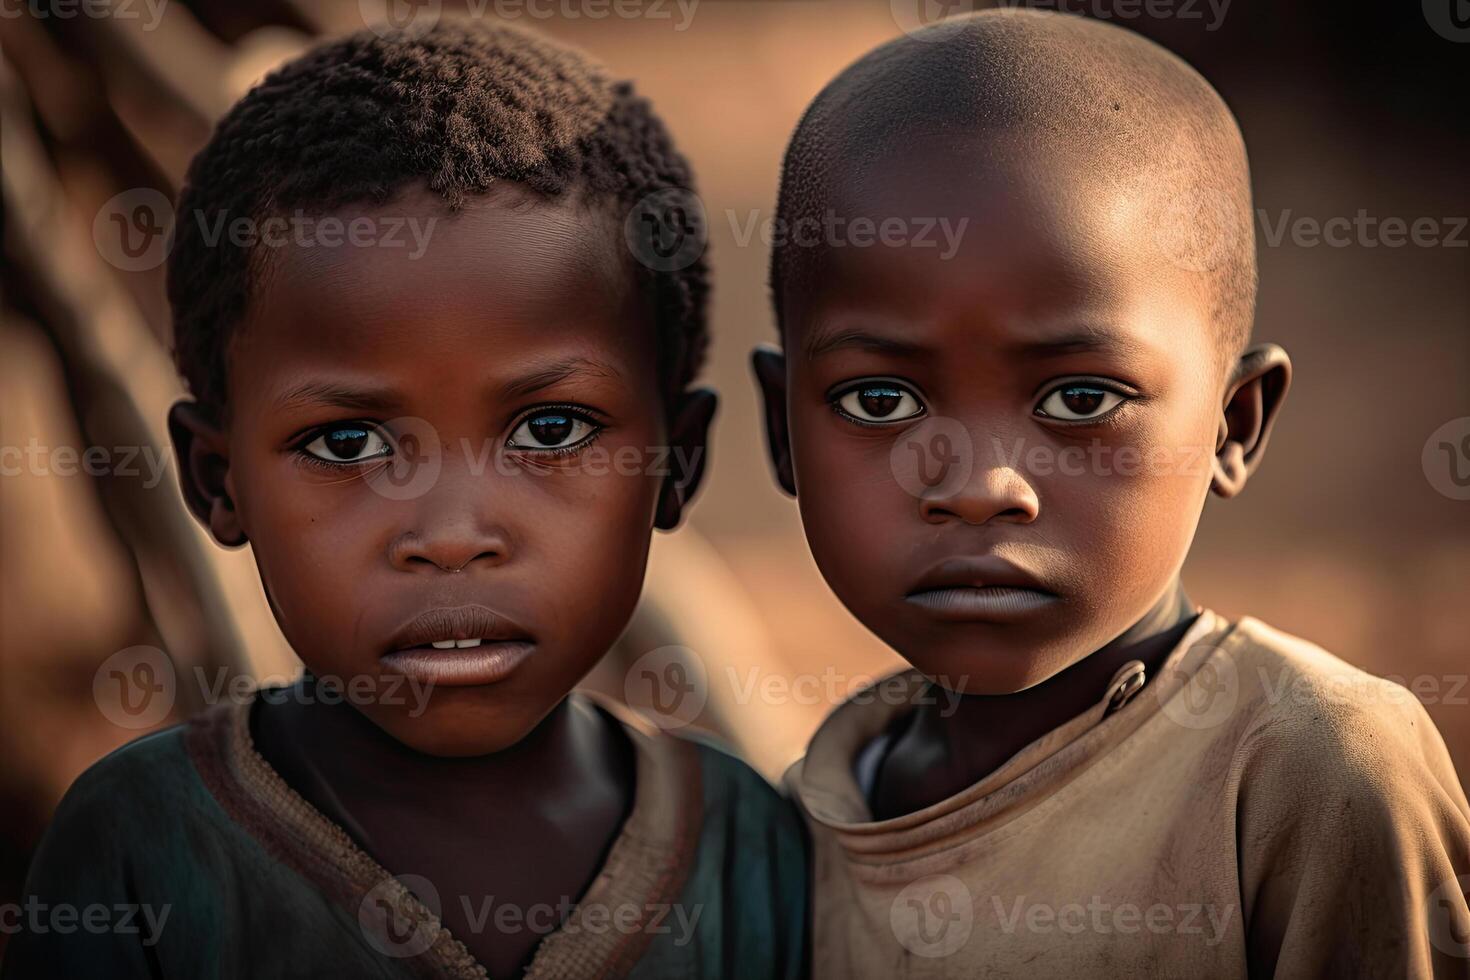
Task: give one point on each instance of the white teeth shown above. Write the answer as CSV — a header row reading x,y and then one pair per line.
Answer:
x,y
442,644
461,644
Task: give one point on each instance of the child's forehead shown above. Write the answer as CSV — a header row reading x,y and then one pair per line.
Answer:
x,y
1039,221
983,175
498,274
1014,221
524,250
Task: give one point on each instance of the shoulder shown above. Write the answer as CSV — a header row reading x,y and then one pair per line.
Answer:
x,y
125,829
737,800
750,862
140,813
1311,721
148,773
1349,815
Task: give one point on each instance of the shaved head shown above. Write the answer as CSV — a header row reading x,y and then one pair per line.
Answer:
x,y
1054,97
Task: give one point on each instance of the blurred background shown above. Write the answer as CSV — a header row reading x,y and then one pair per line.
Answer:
x,y
1356,534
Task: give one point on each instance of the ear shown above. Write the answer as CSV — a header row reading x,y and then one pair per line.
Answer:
x,y
688,448
202,454
1253,399
769,365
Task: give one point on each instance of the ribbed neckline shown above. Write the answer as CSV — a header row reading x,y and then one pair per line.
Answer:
x,y
828,789
645,867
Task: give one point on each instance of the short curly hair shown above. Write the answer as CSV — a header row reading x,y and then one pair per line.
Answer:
x,y
460,107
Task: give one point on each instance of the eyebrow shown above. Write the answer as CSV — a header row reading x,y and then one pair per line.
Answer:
x,y
357,398
368,398
556,373
1081,342
858,339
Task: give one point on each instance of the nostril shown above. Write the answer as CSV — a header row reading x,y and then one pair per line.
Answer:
x,y
449,549
462,565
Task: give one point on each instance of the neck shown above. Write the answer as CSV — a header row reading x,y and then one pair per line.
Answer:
x,y
940,752
342,762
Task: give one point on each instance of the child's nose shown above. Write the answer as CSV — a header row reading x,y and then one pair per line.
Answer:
x,y
992,493
451,529
450,545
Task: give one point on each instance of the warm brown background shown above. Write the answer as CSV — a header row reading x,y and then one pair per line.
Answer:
x,y
1340,538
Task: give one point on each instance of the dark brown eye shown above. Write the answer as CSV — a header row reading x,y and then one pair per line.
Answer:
x,y
348,444
553,429
1083,401
550,430
1076,402
880,402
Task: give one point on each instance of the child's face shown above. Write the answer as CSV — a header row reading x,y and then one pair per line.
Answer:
x,y
1041,410
515,360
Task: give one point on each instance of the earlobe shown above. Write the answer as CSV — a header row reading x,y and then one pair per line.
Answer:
x,y
769,365
688,448
1253,400
203,463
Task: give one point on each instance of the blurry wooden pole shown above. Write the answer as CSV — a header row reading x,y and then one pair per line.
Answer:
x,y
124,383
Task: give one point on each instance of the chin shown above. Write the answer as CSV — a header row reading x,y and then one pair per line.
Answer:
x,y
453,742
976,676
997,671
454,731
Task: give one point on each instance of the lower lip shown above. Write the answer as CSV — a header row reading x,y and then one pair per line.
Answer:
x,y
487,663
992,602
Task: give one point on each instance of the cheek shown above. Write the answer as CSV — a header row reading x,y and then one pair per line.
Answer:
x,y
590,529
303,538
1130,520
858,520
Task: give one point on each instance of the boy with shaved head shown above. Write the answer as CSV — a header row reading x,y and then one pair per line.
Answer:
x,y
1001,457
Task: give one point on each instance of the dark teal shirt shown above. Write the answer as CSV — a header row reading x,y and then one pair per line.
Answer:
x,y
184,855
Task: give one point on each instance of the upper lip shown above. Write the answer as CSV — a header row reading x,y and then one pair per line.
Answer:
x,y
456,623
978,571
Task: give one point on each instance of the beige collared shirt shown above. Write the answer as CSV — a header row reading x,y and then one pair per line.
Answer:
x,y
1260,808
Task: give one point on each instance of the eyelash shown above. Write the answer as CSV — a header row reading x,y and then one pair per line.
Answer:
x,y
834,401
306,456
579,412
1124,393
